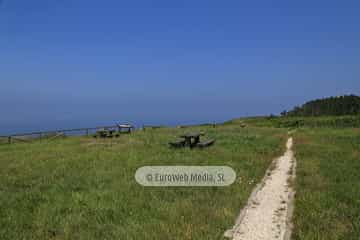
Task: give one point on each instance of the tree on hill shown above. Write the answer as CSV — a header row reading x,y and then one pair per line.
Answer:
x,y
332,106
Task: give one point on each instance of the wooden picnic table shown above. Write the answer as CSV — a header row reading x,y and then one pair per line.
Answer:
x,y
104,133
127,127
192,139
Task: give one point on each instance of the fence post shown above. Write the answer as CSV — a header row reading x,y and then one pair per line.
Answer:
x,y
9,139
87,132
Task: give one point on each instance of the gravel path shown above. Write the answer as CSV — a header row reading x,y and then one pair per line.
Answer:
x,y
268,212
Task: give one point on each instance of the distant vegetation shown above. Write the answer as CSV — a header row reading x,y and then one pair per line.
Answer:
x,y
332,112
332,106
349,121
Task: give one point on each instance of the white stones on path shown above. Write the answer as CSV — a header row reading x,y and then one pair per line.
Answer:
x,y
269,209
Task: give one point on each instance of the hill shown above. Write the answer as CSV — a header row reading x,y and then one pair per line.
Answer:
x,y
331,106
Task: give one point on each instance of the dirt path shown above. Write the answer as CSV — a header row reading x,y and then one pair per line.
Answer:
x,y
268,212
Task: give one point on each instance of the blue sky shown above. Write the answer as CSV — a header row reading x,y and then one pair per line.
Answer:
x,y
76,63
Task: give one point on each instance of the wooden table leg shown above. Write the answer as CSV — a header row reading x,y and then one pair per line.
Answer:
x,y
196,140
188,141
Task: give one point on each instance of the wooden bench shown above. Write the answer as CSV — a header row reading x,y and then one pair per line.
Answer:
x,y
178,143
205,143
101,134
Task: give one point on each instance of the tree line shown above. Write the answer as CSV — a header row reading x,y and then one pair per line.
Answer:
x,y
331,106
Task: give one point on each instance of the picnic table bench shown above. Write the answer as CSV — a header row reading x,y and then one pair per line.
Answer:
x,y
177,143
127,127
106,133
191,140
114,131
206,143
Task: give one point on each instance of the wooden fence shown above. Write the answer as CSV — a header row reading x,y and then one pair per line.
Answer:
x,y
26,137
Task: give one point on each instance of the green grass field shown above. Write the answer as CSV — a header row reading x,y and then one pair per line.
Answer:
x,y
84,188
327,203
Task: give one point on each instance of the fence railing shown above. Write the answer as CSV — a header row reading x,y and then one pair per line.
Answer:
x,y
52,134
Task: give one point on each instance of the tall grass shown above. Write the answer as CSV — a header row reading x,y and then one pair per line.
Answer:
x,y
84,188
328,184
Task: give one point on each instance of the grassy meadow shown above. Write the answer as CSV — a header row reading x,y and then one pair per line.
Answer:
x,y
84,188
327,203
327,149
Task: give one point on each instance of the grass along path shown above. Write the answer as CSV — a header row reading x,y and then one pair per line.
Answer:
x,y
84,188
327,203
265,217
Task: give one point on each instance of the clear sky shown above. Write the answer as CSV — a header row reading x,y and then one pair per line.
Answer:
x,y
79,63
